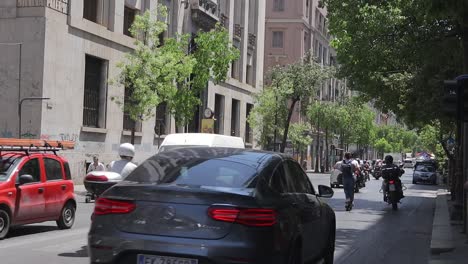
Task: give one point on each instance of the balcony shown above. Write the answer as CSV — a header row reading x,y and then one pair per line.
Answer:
x,y
252,40
205,13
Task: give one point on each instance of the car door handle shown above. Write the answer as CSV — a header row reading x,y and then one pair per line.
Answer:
x,y
40,190
10,194
64,187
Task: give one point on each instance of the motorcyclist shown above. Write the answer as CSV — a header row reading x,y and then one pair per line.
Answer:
x,y
393,172
124,166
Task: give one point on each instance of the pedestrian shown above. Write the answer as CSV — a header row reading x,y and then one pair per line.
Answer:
x,y
96,165
348,166
124,166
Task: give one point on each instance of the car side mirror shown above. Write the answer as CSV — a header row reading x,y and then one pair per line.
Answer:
x,y
25,178
325,191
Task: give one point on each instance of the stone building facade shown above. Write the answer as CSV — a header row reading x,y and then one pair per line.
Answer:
x,y
67,50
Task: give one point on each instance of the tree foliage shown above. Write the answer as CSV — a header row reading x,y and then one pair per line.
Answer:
x,y
298,134
398,52
156,73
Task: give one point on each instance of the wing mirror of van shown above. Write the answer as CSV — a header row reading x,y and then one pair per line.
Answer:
x,y
25,178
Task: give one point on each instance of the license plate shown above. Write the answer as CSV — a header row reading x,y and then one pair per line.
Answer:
x,y
153,259
392,187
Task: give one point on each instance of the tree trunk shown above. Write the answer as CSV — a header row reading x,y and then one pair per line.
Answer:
x,y
327,162
132,135
317,147
286,126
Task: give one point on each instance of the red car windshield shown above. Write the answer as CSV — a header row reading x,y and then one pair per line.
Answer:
x,y
7,163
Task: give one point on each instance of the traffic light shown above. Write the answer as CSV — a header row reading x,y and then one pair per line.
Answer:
x,y
449,99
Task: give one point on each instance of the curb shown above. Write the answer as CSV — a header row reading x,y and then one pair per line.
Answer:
x,y
442,239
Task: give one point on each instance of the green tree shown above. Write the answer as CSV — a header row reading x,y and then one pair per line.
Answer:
x,y
382,146
155,73
268,116
299,136
297,82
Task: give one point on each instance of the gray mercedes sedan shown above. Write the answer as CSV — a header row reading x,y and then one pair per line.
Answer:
x,y
214,205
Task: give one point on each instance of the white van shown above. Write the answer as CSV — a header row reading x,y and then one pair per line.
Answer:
x,y
178,140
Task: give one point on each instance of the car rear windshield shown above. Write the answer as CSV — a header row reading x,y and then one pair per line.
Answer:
x,y
425,168
7,163
193,172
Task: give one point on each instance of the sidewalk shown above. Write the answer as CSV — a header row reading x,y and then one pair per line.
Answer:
x,y
448,244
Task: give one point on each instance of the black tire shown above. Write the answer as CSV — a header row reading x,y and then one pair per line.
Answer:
x,y
414,182
393,199
67,216
4,223
394,206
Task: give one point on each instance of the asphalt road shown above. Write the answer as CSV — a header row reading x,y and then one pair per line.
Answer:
x,y
371,233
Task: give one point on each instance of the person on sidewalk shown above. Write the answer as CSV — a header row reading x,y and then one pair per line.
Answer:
x,y
348,166
124,166
96,165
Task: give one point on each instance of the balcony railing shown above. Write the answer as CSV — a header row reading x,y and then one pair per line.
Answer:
x,y
205,13
252,39
57,5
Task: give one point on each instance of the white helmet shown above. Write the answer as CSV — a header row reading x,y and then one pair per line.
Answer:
x,y
127,149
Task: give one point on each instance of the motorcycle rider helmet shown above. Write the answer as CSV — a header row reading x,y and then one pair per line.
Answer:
x,y
388,159
127,150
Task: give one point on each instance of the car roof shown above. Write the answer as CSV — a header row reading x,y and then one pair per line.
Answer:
x,y
246,156
20,154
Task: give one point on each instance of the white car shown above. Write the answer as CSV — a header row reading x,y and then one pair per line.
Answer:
x,y
408,163
336,179
180,140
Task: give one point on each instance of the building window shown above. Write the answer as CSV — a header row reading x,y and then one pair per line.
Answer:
x,y
219,114
90,10
95,84
129,18
161,126
128,123
235,71
277,39
278,5
248,129
307,8
235,115
249,69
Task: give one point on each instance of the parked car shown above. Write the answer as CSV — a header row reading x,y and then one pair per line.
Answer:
x,y
186,140
214,205
35,186
336,178
425,171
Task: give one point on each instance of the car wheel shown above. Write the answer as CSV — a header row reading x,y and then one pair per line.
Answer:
x,y
4,223
67,216
414,181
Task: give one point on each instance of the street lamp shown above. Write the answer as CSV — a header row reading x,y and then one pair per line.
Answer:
x,y
19,109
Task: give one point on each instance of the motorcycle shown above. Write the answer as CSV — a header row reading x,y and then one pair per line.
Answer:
x,y
97,182
377,172
360,181
392,192
392,195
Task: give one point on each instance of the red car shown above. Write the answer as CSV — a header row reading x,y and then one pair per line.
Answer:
x,y
35,186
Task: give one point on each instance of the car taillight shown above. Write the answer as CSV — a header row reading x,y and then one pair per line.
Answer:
x,y
105,206
96,178
244,216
